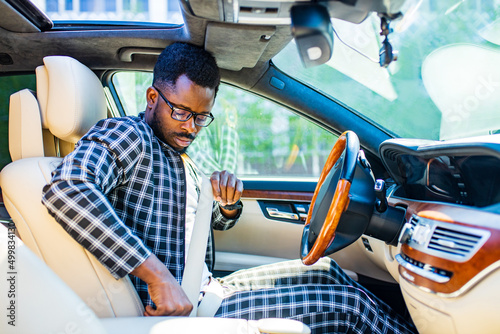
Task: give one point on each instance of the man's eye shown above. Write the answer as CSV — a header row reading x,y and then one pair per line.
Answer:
x,y
182,113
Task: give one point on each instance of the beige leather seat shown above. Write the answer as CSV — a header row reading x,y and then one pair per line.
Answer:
x,y
76,290
42,129
70,99
45,304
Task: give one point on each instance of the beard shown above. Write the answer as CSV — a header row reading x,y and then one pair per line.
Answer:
x,y
166,135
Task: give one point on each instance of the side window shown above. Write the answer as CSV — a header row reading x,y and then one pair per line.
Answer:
x,y
250,136
131,89
9,85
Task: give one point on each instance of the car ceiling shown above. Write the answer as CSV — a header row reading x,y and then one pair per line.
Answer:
x,y
102,47
237,47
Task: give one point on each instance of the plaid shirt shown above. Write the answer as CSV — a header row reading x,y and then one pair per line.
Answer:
x,y
121,194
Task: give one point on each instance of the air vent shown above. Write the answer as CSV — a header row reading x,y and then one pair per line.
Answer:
x,y
454,243
391,154
449,241
414,220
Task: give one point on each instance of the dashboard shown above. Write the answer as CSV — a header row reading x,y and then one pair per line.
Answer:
x,y
448,260
468,180
459,172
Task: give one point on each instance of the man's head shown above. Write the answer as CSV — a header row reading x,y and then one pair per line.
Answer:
x,y
186,80
183,58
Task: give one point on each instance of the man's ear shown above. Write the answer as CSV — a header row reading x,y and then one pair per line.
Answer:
x,y
151,97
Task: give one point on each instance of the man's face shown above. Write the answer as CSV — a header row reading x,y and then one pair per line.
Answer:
x,y
185,95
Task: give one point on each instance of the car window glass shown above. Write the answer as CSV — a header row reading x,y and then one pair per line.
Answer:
x,y
9,85
159,11
401,98
250,136
131,90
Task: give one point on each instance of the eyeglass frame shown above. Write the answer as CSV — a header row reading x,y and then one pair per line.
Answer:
x,y
191,113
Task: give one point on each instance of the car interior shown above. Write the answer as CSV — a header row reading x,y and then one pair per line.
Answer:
x,y
412,216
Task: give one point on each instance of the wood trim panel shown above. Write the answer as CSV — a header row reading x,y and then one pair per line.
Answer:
x,y
278,194
463,272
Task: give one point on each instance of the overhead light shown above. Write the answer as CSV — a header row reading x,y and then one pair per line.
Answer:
x,y
313,33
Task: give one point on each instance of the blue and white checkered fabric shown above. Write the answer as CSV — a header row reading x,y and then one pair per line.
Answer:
x,y
321,296
122,195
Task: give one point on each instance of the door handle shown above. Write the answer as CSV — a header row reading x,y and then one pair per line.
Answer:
x,y
273,212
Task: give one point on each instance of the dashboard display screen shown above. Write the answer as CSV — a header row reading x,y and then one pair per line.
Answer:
x,y
468,180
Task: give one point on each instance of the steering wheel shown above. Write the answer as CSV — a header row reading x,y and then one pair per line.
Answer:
x,y
320,226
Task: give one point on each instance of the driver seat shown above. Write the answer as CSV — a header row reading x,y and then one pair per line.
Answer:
x,y
44,128
70,99
59,310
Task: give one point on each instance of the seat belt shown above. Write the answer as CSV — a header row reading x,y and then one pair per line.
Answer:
x,y
212,299
193,269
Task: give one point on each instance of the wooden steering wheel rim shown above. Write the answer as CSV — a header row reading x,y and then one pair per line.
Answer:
x,y
339,204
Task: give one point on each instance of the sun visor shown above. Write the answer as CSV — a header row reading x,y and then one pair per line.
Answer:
x,y
220,40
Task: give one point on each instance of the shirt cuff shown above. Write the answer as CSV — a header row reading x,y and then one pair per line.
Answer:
x,y
129,262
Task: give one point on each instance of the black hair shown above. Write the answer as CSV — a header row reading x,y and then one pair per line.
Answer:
x,y
183,58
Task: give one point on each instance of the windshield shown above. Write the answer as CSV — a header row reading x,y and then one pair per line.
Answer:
x,y
445,83
158,11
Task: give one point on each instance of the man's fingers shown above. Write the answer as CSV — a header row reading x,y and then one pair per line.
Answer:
x,y
177,311
215,179
238,191
224,177
234,189
227,188
230,188
149,311
219,186
174,310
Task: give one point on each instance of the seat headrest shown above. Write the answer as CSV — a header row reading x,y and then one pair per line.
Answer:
x,y
71,97
25,132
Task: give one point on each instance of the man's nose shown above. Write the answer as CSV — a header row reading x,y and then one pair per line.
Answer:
x,y
189,125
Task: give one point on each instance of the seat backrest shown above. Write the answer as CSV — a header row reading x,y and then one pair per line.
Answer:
x,y
71,100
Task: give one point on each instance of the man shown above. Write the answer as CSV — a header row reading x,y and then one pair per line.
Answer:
x,y
128,194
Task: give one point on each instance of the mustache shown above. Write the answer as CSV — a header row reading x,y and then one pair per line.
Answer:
x,y
190,136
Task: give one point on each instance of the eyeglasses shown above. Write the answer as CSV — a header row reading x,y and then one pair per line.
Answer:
x,y
184,115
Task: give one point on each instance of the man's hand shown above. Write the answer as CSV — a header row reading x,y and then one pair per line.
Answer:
x,y
164,290
227,189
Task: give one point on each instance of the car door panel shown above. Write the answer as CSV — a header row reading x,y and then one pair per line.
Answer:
x,y
259,239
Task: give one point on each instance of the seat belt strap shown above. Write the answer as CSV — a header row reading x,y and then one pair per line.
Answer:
x,y
193,269
212,299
